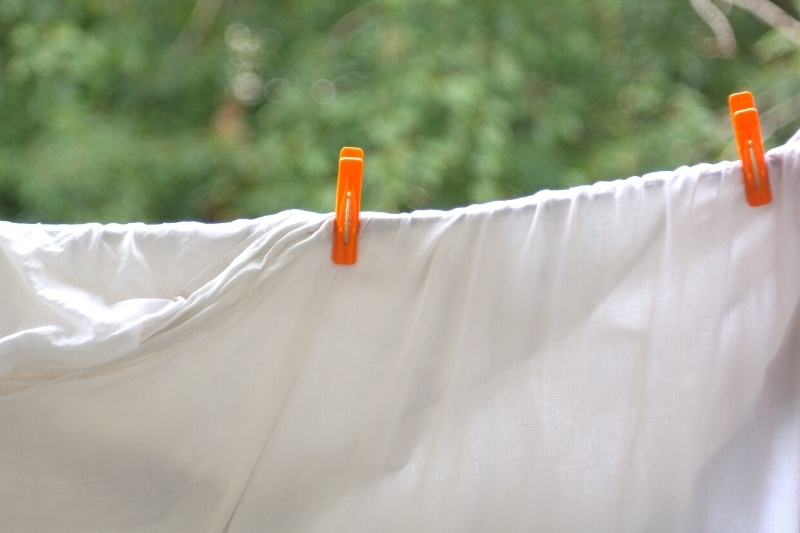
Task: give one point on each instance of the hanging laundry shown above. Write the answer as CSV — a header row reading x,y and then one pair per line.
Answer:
x,y
615,357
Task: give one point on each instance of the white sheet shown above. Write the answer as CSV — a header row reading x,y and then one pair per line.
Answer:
x,y
618,357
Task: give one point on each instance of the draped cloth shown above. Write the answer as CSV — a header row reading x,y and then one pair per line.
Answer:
x,y
623,356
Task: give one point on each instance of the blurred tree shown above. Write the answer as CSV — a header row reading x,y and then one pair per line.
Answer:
x,y
217,109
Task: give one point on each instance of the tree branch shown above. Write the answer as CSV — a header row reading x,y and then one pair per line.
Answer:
x,y
718,22
772,15
192,33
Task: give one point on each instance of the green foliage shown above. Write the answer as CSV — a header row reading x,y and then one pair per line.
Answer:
x,y
213,110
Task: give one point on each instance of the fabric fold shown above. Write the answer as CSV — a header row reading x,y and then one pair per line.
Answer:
x,y
79,296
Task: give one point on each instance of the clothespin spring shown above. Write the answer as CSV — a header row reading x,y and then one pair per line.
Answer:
x,y
347,219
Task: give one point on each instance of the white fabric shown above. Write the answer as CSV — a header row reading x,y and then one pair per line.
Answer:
x,y
616,357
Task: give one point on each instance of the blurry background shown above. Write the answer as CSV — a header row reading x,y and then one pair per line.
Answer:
x,y
120,110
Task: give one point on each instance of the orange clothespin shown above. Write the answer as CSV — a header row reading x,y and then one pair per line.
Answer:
x,y
747,130
348,206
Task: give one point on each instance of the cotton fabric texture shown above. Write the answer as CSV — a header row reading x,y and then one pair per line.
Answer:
x,y
615,357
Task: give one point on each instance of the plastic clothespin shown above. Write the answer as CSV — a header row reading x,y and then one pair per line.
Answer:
x,y
348,206
747,130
